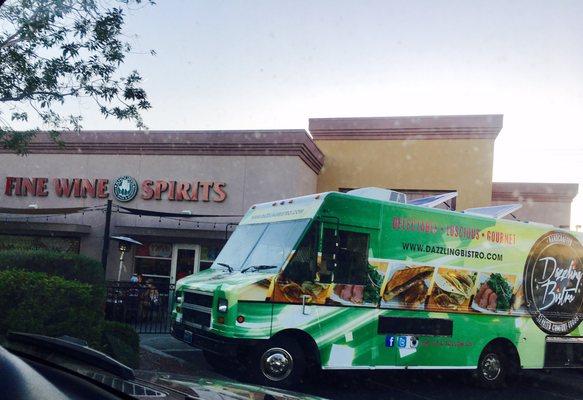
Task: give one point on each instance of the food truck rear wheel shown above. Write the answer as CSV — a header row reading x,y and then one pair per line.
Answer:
x,y
279,362
493,367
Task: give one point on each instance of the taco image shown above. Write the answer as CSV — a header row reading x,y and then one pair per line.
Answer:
x,y
453,288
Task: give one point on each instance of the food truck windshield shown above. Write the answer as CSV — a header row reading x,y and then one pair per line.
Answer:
x,y
258,247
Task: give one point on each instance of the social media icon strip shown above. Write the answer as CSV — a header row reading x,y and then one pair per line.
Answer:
x,y
409,342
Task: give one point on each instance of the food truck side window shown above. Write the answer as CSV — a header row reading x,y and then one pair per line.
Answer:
x,y
352,258
302,266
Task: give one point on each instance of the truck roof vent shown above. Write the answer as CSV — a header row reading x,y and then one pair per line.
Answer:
x,y
499,211
379,194
433,201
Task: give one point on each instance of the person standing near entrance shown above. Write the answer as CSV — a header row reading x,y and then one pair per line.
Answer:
x,y
150,301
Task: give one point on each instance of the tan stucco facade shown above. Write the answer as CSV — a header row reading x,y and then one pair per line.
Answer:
x,y
464,166
450,153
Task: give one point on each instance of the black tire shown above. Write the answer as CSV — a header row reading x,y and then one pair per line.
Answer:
x,y
218,363
280,362
494,367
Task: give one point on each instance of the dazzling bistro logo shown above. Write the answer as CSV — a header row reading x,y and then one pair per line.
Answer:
x,y
552,282
125,188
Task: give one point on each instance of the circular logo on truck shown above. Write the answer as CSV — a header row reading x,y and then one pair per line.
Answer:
x,y
125,188
552,282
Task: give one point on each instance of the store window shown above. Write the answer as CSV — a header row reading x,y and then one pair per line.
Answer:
x,y
154,261
208,254
29,242
185,262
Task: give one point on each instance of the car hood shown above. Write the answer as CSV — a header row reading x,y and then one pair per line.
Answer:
x,y
210,279
211,388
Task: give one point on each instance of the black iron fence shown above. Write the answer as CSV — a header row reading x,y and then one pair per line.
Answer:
x,y
144,306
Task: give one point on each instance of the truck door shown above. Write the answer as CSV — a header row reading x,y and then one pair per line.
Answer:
x,y
348,321
296,294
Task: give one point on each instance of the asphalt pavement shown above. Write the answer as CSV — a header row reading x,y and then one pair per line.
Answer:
x,y
392,384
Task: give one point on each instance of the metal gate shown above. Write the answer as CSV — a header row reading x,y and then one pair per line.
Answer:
x,y
146,307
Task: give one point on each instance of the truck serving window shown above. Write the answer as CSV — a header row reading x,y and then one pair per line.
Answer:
x,y
352,258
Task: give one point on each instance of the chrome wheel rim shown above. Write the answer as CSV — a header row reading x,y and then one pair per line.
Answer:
x,y
491,367
276,364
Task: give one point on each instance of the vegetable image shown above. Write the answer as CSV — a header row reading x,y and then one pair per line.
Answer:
x,y
373,286
495,294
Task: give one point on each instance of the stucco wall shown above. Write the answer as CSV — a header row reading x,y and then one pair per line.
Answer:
x,y
464,165
249,180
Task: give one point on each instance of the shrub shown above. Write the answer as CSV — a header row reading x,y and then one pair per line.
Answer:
x,y
35,302
69,266
121,342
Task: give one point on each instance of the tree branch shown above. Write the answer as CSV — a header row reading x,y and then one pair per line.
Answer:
x,y
10,40
25,95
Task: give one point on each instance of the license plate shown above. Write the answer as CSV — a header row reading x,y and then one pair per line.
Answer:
x,y
188,336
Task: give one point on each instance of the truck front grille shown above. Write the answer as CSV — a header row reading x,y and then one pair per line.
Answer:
x,y
196,308
197,317
199,299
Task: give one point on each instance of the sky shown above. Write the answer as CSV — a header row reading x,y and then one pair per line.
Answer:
x,y
275,64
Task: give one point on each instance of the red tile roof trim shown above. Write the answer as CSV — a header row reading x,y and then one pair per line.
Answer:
x,y
407,128
537,192
218,143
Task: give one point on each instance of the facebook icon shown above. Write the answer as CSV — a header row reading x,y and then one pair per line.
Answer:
x,y
389,341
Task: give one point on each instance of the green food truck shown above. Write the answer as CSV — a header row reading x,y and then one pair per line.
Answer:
x,y
367,280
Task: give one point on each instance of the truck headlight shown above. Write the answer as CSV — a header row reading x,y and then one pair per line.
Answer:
x,y
223,305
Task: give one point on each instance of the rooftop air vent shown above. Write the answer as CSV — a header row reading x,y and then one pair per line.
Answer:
x,y
379,194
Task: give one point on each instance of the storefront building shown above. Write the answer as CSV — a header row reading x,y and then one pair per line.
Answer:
x,y
180,194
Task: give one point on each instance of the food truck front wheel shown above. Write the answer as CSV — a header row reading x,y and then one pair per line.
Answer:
x,y
279,362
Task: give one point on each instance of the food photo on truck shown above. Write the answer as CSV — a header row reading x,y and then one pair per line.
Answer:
x,y
367,280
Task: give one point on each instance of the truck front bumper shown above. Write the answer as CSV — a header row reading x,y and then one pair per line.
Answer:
x,y
211,342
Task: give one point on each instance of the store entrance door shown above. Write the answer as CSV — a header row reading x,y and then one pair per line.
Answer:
x,y
185,261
